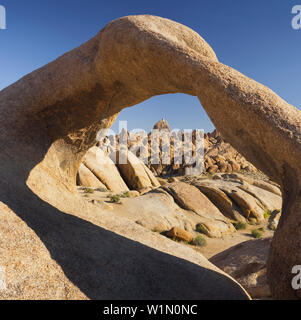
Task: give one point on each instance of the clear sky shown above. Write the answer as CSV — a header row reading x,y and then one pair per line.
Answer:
x,y
254,37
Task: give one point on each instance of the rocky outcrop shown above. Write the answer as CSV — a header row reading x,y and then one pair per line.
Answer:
x,y
88,179
158,210
162,125
219,156
102,172
200,205
239,200
225,204
179,234
104,169
246,262
45,132
135,173
190,198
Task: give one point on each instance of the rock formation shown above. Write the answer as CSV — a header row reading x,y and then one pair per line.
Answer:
x,y
197,204
219,156
136,174
210,218
99,171
49,119
246,262
87,178
104,169
162,125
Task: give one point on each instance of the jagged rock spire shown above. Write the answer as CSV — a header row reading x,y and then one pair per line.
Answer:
x,y
162,124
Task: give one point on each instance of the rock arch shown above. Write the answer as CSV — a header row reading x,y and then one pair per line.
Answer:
x,y
50,118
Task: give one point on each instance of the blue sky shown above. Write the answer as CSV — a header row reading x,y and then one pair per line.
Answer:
x,y
254,37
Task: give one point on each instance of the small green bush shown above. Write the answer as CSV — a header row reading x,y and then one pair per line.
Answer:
x,y
272,227
256,233
201,229
199,241
88,190
267,214
101,189
239,225
115,199
125,195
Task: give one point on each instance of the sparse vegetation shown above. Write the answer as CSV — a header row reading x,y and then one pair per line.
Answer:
x,y
155,230
272,227
89,190
268,213
125,195
257,233
239,225
101,189
175,239
199,241
201,228
115,198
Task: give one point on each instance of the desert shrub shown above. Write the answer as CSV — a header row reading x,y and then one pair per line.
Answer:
x,y
201,229
272,227
239,225
256,233
199,241
115,199
88,190
101,189
125,195
266,214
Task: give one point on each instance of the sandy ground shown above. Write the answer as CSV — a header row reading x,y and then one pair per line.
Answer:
x,y
215,246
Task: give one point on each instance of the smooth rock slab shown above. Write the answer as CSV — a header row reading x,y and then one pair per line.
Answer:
x,y
135,174
190,198
104,168
88,179
246,262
